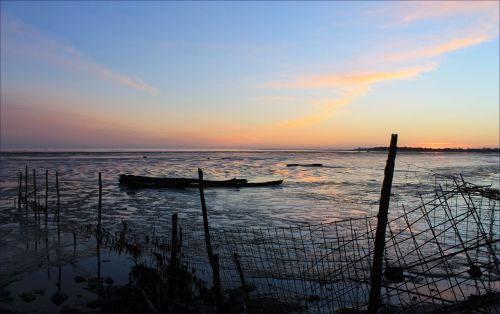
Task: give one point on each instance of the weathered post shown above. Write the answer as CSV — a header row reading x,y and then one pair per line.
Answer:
x,y
98,238
205,215
58,209
46,198
213,259
236,258
26,192
99,208
217,285
173,252
20,192
74,242
376,271
35,208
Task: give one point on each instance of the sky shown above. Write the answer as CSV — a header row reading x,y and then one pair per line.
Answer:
x,y
249,75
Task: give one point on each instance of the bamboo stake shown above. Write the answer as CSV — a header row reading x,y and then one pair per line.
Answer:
x,y
376,271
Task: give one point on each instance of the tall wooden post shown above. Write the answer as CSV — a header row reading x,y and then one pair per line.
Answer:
x,y
46,197
205,215
35,208
58,209
213,258
376,271
99,208
236,258
173,252
98,238
20,192
26,191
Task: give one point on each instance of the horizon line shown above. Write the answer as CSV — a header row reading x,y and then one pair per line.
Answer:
x,y
146,150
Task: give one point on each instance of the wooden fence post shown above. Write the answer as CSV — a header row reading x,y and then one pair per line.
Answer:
x,y
173,252
213,258
26,191
99,208
35,208
205,215
376,271
46,197
98,238
58,209
20,192
236,258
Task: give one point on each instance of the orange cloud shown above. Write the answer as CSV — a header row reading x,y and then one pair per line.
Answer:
x,y
437,50
327,110
422,10
349,79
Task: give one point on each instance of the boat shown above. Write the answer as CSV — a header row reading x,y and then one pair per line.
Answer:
x,y
304,165
180,183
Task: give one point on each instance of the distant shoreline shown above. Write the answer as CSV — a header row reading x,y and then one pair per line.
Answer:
x,y
431,150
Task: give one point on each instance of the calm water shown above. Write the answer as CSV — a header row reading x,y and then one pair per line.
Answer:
x,y
348,186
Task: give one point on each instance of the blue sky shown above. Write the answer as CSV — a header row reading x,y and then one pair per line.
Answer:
x,y
249,74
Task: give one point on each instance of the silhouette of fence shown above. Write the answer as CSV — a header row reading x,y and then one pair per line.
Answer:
x,y
439,254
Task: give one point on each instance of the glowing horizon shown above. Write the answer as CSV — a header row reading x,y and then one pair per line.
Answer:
x,y
247,75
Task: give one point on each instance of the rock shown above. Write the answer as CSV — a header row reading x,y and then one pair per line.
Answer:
x,y
313,298
58,298
5,296
79,279
94,283
27,296
94,304
69,310
39,291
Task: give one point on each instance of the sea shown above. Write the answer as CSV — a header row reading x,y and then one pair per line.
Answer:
x,y
347,185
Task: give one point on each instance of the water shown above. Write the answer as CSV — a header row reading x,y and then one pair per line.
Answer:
x,y
347,186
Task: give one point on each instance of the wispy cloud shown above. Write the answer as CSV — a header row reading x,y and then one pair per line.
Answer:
x,y
21,39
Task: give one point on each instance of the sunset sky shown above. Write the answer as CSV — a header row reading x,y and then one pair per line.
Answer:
x,y
249,74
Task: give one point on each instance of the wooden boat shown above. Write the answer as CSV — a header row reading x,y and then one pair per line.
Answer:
x,y
179,183
304,165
